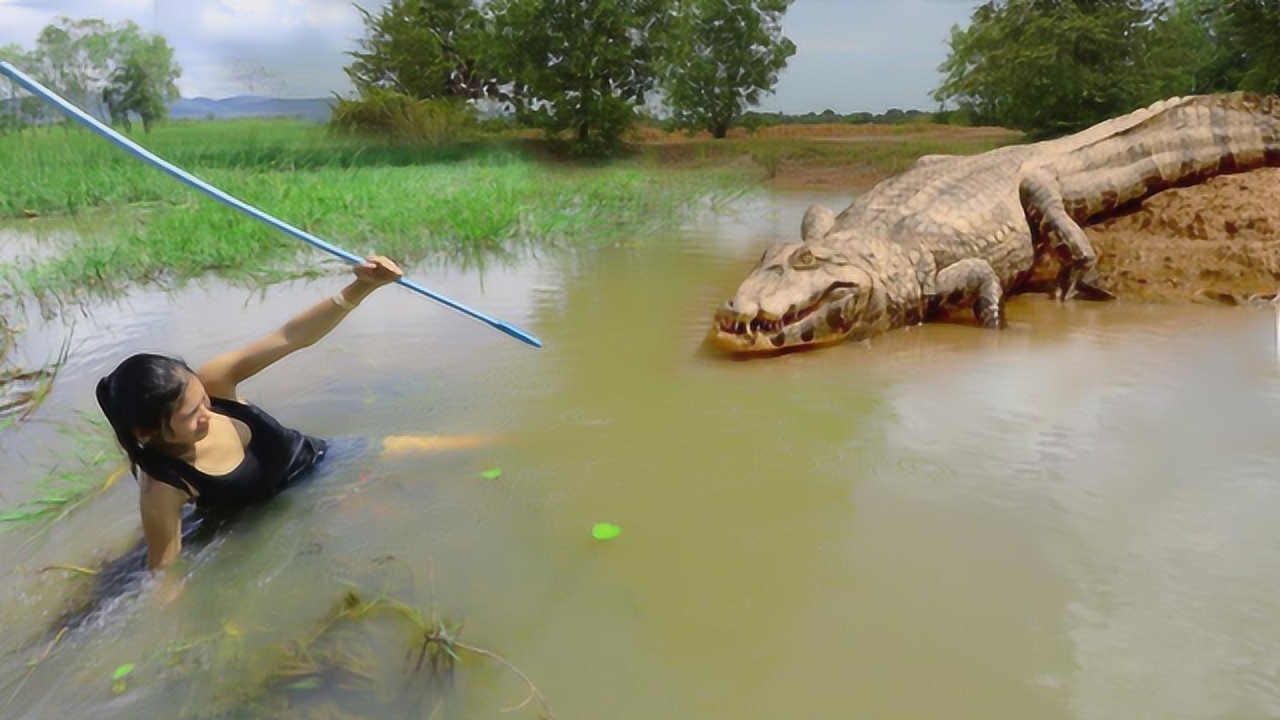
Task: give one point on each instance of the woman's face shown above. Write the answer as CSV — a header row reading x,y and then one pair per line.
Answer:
x,y
189,421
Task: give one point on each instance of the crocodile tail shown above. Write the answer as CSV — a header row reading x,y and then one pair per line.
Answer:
x,y
1176,142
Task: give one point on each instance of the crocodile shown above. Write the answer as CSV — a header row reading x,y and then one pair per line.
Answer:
x,y
964,232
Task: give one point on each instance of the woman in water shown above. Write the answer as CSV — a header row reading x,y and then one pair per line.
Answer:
x,y
191,438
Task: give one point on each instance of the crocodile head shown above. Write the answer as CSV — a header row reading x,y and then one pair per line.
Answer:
x,y
801,294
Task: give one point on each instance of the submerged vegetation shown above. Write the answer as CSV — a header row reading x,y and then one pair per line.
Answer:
x,y
366,649
312,661
89,466
23,390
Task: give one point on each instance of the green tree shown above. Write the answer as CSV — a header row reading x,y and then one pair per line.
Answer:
x,y
1050,67
143,76
725,55
583,66
1248,44
75,58
426,49
81,60
132,91
1181,56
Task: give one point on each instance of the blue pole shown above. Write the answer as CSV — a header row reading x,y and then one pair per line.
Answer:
x,y
145,155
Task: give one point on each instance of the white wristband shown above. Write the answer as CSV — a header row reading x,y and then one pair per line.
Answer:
x,y
343,302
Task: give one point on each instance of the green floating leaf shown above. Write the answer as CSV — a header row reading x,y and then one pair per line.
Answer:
x,y
492,474
122,672
605,531
310,683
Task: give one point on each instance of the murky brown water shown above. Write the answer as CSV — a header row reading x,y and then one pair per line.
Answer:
x,y
1075,518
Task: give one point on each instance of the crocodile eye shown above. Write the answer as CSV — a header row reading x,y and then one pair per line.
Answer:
x,y
804,260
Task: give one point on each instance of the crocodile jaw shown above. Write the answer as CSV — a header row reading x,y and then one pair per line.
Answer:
x,y
829,320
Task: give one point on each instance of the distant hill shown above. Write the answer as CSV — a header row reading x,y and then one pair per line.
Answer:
x,y
200,108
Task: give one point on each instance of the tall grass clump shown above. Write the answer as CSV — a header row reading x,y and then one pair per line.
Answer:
x,y
388,114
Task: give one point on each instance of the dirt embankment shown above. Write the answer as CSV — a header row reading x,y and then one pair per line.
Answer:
x,y
1220,237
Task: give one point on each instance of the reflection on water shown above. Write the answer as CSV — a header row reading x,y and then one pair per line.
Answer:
x,y
1074,518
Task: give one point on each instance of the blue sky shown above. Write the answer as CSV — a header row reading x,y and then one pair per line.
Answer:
x,y
852,55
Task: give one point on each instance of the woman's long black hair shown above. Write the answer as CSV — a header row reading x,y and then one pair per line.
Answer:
x,y
140,394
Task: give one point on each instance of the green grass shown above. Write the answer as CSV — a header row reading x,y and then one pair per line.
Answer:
x,y
363,195
60,171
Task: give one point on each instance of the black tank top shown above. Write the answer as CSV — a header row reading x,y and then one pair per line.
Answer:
x,y
275,457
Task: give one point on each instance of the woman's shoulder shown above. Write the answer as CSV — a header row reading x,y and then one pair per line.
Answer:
x,y
236,407
237,400
155,489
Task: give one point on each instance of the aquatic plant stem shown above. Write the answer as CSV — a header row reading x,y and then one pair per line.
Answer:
x,y
70,568
145,155
533,689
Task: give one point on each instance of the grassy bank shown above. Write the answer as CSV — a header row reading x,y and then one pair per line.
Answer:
x,y
480,198
462,210
406,202
60,171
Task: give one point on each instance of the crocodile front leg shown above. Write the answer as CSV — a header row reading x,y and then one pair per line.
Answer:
x,y
970,281
1041,198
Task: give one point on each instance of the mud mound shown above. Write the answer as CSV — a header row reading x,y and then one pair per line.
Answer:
x,y
1217,239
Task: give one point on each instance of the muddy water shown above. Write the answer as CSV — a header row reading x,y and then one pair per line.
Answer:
x,y
1074,518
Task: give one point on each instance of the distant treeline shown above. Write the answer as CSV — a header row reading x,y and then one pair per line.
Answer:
x,y
893,116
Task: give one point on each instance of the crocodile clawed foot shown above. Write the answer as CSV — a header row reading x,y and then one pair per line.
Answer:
x,y
990,314
1085,286
1088,288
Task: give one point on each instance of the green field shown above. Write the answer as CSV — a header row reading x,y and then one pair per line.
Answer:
x,y
137,223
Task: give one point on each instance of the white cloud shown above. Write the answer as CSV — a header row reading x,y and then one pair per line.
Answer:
x,y
324,15
19,25
263,20
238,20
